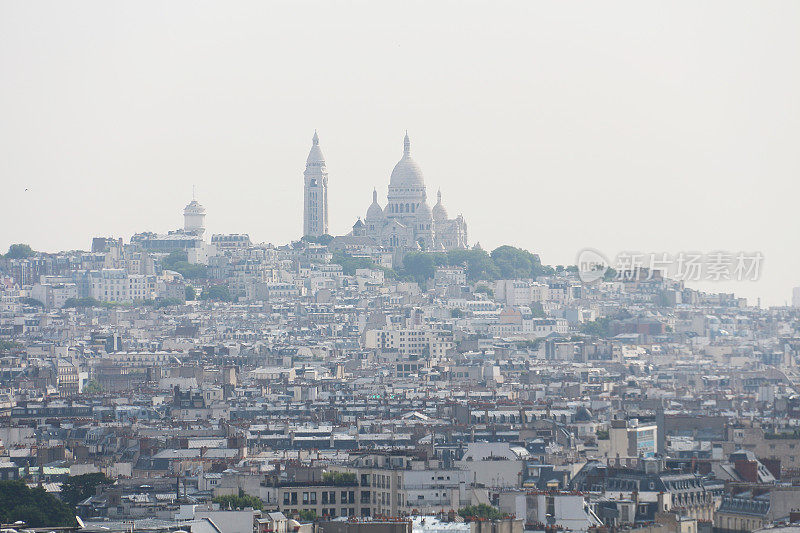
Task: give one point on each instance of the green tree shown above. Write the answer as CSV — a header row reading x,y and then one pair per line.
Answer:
x,y
599,327
178,261
35,507
419,266
307,515
160,303
339,478
77,488
480,266
31,302
19,251
324,240
482,288
481,511
240,501
191,294
513,263
350,264
92,387
537,310
217,292
82,302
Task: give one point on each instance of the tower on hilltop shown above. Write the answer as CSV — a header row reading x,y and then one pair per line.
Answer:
x,y
315,192
194,217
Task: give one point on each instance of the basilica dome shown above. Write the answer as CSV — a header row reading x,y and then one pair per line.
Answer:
x,y
406,173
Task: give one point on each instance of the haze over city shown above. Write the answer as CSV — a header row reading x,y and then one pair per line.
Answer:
x,y
424,267
550,126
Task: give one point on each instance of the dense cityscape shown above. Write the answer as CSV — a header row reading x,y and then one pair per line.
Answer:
x,y
397,378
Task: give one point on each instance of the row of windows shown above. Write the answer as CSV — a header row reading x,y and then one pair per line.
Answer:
x,y
331,512
310,498
402,208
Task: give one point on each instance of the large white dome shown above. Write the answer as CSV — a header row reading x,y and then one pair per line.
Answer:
x,y
406,172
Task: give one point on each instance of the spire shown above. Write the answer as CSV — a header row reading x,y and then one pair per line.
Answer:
x,y
374,195
406,145
315,156
439,196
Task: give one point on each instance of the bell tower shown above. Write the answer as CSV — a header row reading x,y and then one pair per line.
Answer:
x,y
315,192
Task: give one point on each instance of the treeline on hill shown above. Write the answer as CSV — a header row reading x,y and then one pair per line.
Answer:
x,y
505,262
18,251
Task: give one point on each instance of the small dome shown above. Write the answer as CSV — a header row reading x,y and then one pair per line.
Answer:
x,y
315,157
375,212
194,208
439,212
406,172
424,211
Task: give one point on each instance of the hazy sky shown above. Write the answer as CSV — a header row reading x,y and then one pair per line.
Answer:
x,y
554,126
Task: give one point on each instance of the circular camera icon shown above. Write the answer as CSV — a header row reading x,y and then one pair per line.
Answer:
x,y
592,265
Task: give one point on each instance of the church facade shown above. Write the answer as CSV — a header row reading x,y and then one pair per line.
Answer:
x,y
407,222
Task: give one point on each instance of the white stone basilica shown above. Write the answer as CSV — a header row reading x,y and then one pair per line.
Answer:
x,y
408,222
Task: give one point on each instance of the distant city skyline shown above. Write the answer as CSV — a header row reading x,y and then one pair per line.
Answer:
x,y
553,128
435,266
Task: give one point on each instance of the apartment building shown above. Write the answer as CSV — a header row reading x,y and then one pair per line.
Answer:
x,y
410,341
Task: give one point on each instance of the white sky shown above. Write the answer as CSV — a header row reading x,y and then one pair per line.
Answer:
x,y
554,126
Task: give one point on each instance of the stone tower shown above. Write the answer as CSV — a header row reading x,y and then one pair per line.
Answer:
x,y
315,192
